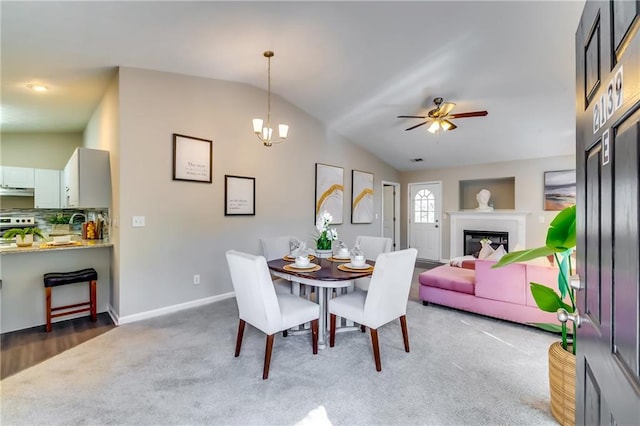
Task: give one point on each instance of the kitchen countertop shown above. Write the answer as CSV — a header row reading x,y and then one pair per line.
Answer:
x,y
42,246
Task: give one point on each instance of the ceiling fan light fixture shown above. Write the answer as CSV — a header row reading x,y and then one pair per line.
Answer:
x,y
36,87
445,125
434,127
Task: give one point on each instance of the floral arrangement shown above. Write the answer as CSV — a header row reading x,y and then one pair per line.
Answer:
x,y
325,235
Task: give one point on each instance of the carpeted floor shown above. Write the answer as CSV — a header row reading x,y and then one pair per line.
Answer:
x,y
463,369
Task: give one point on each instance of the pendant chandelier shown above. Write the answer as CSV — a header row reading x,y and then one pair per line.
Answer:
x,y
265,132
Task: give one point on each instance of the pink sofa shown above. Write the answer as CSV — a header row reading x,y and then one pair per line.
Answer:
x,y
500,293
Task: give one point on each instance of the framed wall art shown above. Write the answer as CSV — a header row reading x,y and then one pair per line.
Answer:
x,y
361,197
192,158
559,189
329,191
239,196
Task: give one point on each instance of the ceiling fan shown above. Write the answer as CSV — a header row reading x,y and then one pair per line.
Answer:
x,y
439,117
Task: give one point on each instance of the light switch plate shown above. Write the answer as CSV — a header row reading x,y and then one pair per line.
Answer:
x,y
138,221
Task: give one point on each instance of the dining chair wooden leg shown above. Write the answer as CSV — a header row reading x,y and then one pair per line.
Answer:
x,y
332,332
363,328
267,356
285,333
239,339
376,348
314,336
405,333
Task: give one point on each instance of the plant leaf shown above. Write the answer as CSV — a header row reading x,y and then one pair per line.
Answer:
x,y
561,234
547,299
523,256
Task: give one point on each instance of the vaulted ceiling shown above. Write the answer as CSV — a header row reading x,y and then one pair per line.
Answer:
x,y
355,66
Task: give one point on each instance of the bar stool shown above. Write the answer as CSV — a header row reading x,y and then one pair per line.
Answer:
x,y
54,279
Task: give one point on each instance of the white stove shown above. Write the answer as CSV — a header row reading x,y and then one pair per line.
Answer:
x,y
17,222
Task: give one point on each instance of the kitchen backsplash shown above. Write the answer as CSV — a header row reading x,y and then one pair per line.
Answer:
x,y
42,218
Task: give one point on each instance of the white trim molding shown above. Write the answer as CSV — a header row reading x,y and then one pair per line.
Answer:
x,y
511,221
168,309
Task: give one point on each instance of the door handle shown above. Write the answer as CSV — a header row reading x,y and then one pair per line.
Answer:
x,y
575,282
563,316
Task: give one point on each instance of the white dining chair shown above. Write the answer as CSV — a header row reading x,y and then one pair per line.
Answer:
x,y
385,301
276,248
371,247
260,306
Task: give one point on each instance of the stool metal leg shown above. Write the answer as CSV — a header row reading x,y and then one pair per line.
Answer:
x,y
92,300
48,307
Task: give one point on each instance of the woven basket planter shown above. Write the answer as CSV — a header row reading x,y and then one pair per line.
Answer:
x,y
562,384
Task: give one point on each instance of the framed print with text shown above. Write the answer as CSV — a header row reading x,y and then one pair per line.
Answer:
x,y
239,196
192,159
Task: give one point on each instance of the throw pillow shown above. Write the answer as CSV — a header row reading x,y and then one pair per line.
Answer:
x,y
497,254
485,251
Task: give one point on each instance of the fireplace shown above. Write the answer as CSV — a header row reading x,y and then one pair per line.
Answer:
x,y
510,221
472,238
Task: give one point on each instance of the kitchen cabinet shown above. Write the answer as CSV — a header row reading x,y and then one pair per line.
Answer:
x,y
47,189
17,177
87,179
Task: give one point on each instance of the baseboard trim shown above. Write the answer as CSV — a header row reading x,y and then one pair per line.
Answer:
x,y
167,309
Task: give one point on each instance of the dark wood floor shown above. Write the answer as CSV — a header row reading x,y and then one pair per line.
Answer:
x,y
24,348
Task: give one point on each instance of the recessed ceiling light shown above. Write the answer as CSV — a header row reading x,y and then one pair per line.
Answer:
x,y
37,87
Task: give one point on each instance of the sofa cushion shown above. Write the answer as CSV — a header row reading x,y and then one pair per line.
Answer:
x,y
447,277
507,284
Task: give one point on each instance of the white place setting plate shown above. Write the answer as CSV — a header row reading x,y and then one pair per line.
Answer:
x,y
352,266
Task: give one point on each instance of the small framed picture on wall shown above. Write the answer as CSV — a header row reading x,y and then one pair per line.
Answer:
x,y
559,189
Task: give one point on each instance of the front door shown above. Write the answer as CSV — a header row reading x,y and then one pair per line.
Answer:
x,y
607,158
425,211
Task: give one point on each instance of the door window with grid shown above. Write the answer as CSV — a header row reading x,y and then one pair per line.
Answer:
x,y
424,207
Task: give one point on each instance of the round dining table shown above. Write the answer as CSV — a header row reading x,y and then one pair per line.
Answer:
x,y
327,277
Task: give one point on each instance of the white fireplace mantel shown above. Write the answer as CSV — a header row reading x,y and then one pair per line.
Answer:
x,y
511,221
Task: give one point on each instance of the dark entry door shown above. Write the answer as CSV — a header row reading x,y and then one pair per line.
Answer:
x,y
607,139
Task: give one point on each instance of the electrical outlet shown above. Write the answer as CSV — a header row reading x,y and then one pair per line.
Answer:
x,y
541,219
137,222
196,279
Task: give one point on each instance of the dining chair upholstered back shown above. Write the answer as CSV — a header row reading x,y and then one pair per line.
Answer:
x,y
276,248
385,300
389,289
263,308
255,295
373,246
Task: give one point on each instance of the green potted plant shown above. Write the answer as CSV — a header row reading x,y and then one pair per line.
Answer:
x,y
24,236
59,223
560,243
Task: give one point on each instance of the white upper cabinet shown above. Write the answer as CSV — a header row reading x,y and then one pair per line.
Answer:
x,y
47,189
87,179
18,177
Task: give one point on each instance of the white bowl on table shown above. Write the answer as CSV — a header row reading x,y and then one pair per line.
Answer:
x,y
358,261
302,261
343,253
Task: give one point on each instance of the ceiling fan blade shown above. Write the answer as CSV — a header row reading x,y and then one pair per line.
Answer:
x,y
446,108
417,125
469,114
411,116
450,124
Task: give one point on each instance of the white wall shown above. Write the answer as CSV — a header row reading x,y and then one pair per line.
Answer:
x,y
38,150
186,232
529,185
102,132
